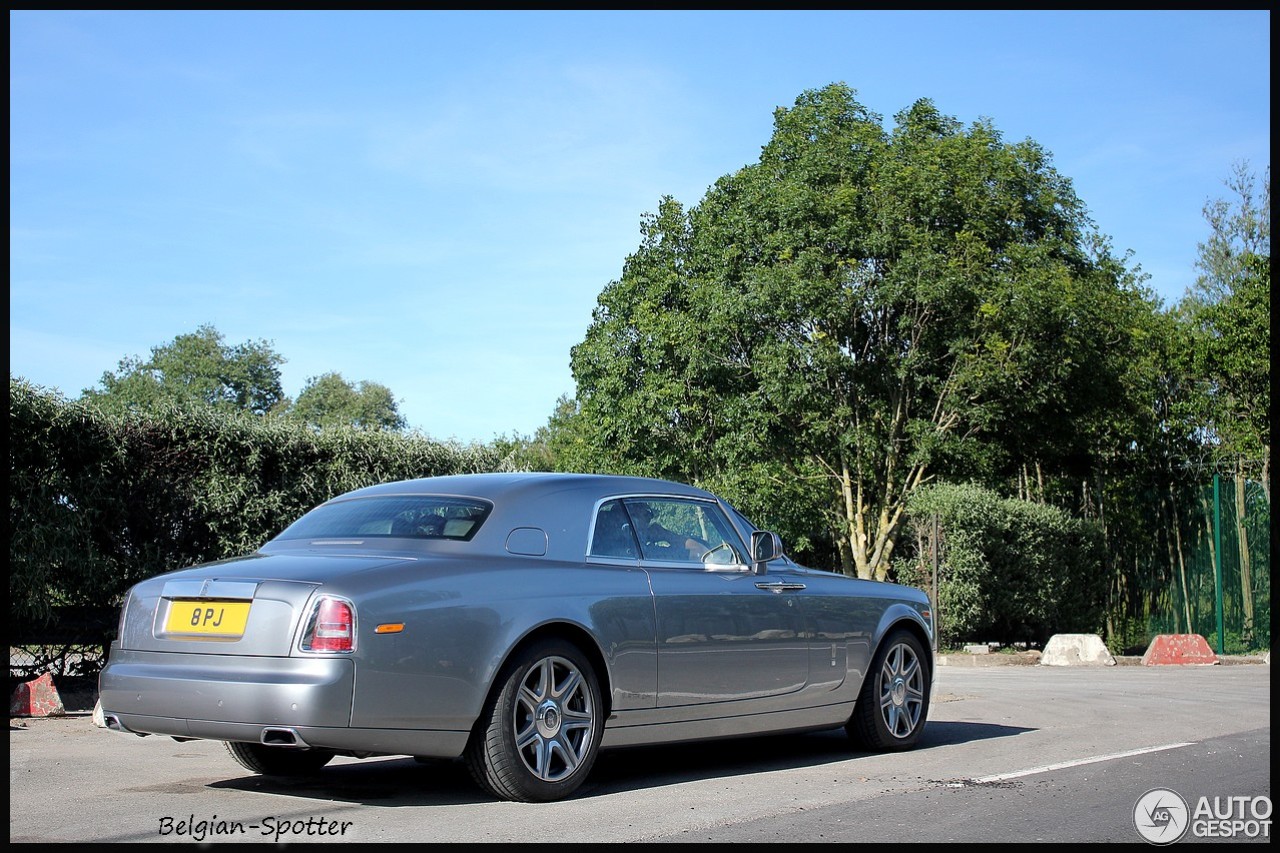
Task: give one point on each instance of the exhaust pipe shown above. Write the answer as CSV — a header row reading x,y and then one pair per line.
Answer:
x,y
283,736
111,721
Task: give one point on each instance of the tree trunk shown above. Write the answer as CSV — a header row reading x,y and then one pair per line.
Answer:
x,y
1266,472
846,553
1182,566
1207,505
1166,521
1246,581
854,523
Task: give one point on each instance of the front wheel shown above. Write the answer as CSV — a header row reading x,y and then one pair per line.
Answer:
x,y
540,732
894,701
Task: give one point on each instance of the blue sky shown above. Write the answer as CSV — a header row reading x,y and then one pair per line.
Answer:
x,y
434,200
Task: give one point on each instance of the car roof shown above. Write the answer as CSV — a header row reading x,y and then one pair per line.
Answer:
x,y
561,505
528,485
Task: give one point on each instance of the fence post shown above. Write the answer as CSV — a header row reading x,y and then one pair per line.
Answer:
x,y
937,604
1217,561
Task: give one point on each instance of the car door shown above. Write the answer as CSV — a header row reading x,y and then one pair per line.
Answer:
x,y
724,633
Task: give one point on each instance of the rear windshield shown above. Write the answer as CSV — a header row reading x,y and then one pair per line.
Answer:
x,y
392,516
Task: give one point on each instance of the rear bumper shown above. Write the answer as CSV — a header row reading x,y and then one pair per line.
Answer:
x,y
243,698
228,689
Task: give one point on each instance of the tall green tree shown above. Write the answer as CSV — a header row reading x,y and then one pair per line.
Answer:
x,y
198,367
1198,402
1233,350
1239,228
855,314
1228,315
329,400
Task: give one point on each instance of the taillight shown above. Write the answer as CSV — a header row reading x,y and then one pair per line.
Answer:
x,y
332,626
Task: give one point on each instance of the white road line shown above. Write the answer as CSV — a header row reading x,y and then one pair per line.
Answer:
x,y
1000,777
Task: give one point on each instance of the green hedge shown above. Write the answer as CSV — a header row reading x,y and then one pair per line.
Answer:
x,y
1010,570
99,501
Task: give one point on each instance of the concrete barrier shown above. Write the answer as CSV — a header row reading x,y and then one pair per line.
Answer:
x,y
1179,650
1076,650
36,698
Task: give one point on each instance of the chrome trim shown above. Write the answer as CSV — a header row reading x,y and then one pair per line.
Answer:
x,y
112,722
309,615
725,568
284,737
234,590
780,586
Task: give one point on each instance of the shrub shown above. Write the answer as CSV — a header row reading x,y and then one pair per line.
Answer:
x,y
98,501
1010,570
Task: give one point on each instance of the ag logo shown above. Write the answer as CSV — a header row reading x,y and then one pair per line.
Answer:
x,y
1161,816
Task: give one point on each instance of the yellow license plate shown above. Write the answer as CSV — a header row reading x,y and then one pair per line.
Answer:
x,y
208,618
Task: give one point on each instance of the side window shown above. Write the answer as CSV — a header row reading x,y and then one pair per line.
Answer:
x,y
612,536
673,530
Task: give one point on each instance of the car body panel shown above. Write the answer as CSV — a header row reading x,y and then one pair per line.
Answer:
x,y
457,634
720,638
234,689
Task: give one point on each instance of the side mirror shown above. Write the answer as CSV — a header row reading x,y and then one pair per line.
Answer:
x,y
765,547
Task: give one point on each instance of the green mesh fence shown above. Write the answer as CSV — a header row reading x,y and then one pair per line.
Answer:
x,y
1233,523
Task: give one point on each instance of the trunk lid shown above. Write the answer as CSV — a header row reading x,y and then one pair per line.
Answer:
x,y
245,606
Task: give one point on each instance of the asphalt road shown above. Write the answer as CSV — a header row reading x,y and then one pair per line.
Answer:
x,y
1020,753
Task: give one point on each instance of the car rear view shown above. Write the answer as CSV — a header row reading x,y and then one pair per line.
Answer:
x,y
258,660
262,651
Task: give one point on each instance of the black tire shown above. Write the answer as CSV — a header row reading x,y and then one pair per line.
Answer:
x,y
279,760
540,730
893,704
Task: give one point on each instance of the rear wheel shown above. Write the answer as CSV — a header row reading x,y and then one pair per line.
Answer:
x,y
277,760
894,702
540,731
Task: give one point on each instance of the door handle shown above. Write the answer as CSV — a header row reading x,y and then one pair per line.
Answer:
x,y
779,586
